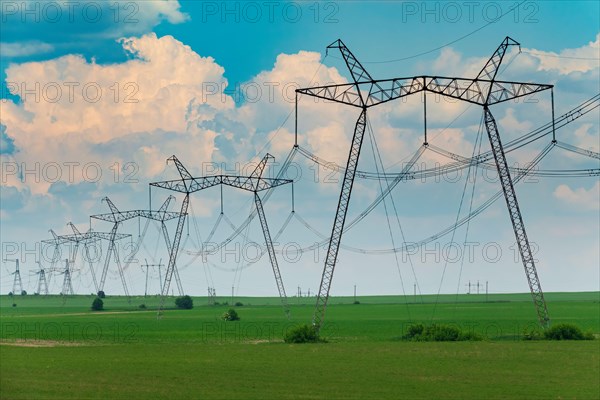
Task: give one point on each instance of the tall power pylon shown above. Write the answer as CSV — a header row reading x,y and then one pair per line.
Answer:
x,y
91,235
365,92
79,238
42,286
67,287
253,183
147,266
17,280
117,217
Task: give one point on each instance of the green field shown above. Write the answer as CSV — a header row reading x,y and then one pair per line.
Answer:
x,y
54,347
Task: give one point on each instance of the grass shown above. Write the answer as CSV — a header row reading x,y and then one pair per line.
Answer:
x,y
124,352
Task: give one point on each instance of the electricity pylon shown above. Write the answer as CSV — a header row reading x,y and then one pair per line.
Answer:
x,y
485,90
253,183
117,217
77,238
17,280
67,287
147,266
85,238
42,282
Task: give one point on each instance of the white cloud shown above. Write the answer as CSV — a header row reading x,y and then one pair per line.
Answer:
x,y
581,59
24,49
582,198
79,106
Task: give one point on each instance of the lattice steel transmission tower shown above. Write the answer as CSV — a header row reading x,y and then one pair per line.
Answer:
x,y
485,90
42,286
117,217
253,183
82,238
212,295
67,287
17,282
147,266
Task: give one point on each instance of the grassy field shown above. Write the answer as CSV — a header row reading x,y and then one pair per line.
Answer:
x,y
57,348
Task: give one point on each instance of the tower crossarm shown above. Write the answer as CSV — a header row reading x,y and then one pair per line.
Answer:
x,y
347,93
470,90
118,217
252,184
107,236
249,183
158,215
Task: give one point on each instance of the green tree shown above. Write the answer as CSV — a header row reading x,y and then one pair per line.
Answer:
x,y
97,304
184,302
303,334
231,315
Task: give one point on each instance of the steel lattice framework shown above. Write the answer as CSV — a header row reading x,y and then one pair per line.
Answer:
x,y
82,238
117,217
254,183
365,92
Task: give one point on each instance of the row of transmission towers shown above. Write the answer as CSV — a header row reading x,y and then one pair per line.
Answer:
x,y
363,92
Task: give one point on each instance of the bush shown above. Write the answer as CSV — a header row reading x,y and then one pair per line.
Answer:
x,y
356,302
97,304
23,293
10,293
184,302
231,315
532,334
303,334
566,332
142,306
239,304
101,294
438,333
14,304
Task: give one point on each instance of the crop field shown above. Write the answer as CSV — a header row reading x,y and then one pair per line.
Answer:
x,y
57,348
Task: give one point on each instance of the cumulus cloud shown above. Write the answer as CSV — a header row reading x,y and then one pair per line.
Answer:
x,y
72,109
581,59
581,198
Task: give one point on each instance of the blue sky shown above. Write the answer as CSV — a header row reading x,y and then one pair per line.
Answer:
x,y
139,51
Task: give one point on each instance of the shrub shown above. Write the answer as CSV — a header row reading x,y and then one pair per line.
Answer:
x,y
10,293
356,302
14,304
231,315
101,294
239,304
303,334
532,334
566,332
184,302
142,306
97,304
438,333
23,293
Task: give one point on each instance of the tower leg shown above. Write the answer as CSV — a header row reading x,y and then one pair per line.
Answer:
x,y
174,250
340,218
272,256
516,218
